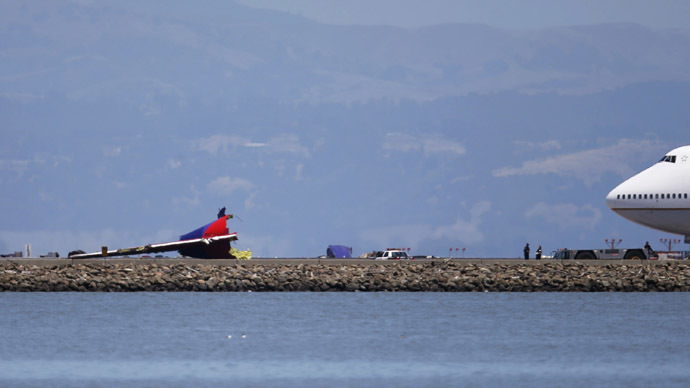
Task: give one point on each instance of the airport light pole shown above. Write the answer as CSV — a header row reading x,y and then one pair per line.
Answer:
x,y
670,242
613,242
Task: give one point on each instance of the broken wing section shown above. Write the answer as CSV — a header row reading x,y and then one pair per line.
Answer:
x,y
211,241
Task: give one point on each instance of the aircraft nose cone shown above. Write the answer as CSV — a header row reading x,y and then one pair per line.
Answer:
x,y
614,198
611,199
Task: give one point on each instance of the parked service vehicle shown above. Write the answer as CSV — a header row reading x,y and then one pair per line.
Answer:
x,y
603,254
392,254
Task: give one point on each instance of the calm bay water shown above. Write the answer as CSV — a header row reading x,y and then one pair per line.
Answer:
x,y
344,339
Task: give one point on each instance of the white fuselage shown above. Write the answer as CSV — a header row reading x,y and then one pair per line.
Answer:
x,y
658,197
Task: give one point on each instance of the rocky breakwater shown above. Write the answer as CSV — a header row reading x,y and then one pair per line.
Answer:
x,y
403,276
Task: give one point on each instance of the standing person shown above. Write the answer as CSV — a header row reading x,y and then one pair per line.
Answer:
x,y
526,251
539,253
648,248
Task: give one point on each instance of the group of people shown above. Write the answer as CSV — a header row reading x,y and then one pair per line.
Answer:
x,y
526,251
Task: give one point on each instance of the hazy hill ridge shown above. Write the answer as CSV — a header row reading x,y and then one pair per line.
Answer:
x,y
84,51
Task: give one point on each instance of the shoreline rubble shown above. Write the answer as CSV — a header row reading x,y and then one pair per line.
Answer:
x,y
407,277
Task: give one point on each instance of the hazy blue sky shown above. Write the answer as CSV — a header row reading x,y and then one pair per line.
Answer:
x,y
498,13
126,123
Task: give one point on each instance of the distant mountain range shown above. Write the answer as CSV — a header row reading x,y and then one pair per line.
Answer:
x,y
87,50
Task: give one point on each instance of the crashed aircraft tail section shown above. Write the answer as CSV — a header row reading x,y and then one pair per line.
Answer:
x,y
213,232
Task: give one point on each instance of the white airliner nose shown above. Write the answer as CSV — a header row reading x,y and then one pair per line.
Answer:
x,y
615,200
611,199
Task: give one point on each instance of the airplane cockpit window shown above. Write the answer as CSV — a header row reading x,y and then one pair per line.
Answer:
x,y
668,158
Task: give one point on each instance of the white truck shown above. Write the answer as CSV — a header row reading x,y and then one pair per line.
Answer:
x,y
392,254
603,254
